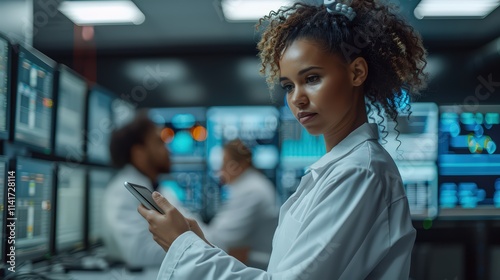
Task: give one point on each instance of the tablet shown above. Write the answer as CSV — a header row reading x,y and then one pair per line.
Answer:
x,y
144,195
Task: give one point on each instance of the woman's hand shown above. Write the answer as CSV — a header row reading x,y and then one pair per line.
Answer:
x,y
193,225
165,228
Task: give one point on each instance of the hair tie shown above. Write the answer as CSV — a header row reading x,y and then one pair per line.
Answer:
x,y
340,7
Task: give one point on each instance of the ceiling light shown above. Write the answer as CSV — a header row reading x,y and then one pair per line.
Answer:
x,y
250,10
455,8
102,12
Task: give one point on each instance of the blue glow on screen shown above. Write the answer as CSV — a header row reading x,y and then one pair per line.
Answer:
x,y
183,121
182,143
469,161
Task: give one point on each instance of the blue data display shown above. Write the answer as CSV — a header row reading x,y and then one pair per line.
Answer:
x,y
185,182
34,189
469,158
299,150
257,127
297,145
184,132
4,85
33,120
412,142
417,134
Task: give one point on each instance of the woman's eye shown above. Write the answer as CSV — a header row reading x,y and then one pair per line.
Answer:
x,y
312,79
287,88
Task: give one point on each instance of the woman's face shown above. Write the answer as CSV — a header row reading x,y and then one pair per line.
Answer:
x,y
320,88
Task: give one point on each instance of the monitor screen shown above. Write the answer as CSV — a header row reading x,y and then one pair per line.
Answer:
x,y
256,126
420,180
469,160
185,182
70,119
413,143
33,125
98,181
34,192
70,211
123,112
299,149
418,134
4,203
184,132
100,126
5,73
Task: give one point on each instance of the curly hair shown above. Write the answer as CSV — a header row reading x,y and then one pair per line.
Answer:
x,y
392,49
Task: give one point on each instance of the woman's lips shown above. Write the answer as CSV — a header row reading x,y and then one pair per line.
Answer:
x,y
306,117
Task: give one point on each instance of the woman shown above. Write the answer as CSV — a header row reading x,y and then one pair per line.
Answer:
x,y
349,218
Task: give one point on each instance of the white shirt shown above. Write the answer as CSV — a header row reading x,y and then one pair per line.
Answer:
x,y
349,219
248,218
126,235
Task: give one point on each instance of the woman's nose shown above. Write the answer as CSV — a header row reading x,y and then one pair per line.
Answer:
x,y
298,98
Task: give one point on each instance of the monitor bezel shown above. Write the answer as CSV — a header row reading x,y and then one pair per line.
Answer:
x,y
5,135
41,58
57,86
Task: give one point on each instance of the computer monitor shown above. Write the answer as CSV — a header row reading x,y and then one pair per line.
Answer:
x,y
4,204
123,112
5,77
184,132
186,183
420,180
469,160
34,105
299,149
34,213
98,180
413,144
417,134
100,125
256,126
70,207
70,118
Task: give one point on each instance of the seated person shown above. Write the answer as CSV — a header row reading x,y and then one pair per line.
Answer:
x,y
138,150
244,225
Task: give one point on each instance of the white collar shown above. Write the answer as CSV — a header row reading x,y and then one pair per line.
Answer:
x,y
365,132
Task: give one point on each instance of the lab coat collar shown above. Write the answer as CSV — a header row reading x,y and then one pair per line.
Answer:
x,y
365,132
129,169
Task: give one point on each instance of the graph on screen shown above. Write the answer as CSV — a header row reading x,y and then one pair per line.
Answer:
x,y
35,100
469,160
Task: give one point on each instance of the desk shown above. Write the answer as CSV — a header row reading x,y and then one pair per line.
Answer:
x,y
115,274
474,238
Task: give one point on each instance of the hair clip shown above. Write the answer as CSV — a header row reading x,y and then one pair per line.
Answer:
x,y
340,7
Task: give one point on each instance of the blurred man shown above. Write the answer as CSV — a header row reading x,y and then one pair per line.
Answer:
x,y
138,150
244,226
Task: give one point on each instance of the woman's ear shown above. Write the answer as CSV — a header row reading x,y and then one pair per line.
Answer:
x,y
359,70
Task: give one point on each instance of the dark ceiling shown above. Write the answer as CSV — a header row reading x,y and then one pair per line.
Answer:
x,y
208,60
200,22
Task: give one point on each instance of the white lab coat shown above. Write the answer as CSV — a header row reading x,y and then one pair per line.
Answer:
x,y
349,219
248,218
126,235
